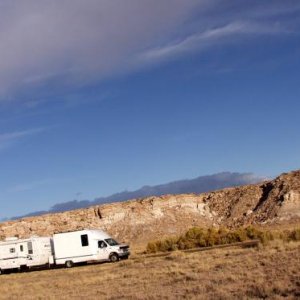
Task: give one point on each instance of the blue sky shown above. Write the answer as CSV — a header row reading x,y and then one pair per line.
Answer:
x,y
101,96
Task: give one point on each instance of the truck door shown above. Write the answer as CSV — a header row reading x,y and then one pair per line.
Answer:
x,y
103,252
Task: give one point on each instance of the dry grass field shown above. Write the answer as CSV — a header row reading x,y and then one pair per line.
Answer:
x,y
271,272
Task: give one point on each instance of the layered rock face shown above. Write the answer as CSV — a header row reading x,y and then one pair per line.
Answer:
x,y
140,220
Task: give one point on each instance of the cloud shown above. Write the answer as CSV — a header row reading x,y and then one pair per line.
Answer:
x,y
75,42
68,44
10,138
208,38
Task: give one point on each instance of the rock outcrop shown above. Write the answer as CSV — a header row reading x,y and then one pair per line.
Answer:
x,y
272,202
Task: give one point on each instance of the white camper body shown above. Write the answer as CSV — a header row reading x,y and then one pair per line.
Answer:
x,y
25,253
86,246
66,248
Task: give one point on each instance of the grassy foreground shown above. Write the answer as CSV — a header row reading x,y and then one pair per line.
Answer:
x,y
271,271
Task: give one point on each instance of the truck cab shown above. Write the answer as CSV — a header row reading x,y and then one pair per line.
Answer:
x,y
110,249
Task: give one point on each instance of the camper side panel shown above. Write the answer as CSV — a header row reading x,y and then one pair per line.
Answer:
x,y
75,246
39,251
20,253
8,257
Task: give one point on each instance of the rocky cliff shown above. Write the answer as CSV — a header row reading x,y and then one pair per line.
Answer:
x,y
271,202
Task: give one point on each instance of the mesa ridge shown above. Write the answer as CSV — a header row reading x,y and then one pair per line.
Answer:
x,y
269,203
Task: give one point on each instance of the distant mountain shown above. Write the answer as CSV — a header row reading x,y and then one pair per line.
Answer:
x,y
197,185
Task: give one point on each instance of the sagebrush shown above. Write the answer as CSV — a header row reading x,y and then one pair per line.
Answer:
x,y
205,237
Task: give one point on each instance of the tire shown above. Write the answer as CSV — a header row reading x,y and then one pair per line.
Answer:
x,y
69,264
114,257
24,268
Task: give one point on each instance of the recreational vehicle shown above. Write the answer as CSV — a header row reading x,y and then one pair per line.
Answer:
x,y
25,253
86,246
66,248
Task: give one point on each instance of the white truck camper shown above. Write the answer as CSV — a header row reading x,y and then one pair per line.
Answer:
x,y
66,248
87,246
25,253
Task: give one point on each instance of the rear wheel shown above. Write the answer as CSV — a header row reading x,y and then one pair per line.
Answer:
x,y
23,268
114,257
69,264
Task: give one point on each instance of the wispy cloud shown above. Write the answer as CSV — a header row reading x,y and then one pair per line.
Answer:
x,y
210,37
9,138
69,44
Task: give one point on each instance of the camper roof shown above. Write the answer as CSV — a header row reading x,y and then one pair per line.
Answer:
x,y
98,233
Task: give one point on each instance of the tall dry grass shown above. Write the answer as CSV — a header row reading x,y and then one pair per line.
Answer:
x,y
270,272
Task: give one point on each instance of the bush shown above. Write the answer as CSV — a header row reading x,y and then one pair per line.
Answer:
x,y
152,247
200,237
169,244
294,235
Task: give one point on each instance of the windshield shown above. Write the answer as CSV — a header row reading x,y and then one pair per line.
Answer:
x,y
111,242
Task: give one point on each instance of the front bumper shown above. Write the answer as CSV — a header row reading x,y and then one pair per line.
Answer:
x,y
124,254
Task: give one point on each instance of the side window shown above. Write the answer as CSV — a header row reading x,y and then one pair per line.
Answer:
x,y
12,250
84,240
30,249
21,248
101,244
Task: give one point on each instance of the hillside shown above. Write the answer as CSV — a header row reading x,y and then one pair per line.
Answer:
x,y
271,202
197,185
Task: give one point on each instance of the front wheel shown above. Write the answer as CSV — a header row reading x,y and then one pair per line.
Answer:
x,y
114,257
69,264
